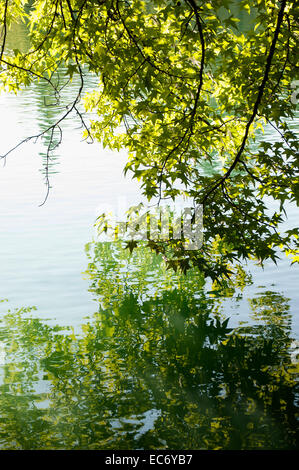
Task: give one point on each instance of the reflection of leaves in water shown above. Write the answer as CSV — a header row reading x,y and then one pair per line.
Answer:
x,y
156,367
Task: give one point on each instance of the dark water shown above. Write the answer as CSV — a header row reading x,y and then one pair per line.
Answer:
x,y
127,355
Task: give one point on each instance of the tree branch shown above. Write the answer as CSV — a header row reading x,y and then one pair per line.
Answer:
x,y
256,105
4,29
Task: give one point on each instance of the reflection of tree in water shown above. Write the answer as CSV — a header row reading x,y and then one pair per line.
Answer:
x,y
155,367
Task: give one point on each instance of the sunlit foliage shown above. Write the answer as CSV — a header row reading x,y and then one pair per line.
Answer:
x,y
186,88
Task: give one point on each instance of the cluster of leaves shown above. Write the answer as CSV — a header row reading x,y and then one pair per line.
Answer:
x,y
185,87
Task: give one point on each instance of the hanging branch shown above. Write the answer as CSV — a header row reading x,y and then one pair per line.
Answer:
x,y
192,114
256,105
69,108
4,29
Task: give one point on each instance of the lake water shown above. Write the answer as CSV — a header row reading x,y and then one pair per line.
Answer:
x,y
126,355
